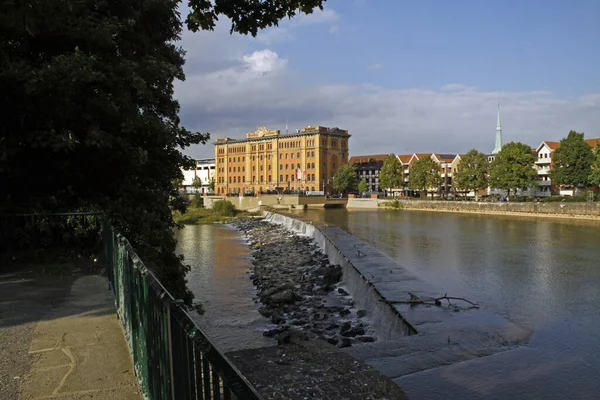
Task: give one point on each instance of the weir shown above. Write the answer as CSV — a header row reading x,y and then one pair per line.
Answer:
x,y
410,338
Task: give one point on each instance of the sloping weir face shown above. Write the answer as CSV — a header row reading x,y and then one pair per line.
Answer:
x,y
388,323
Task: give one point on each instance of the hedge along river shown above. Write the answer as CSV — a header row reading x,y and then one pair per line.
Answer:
x,y
542,274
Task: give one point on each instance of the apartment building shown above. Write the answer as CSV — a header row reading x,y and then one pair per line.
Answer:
x,y
205,171
267,160
369,168
545,164
445,162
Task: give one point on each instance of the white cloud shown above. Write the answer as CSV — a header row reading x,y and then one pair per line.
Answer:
x,y
264,61
375,66
231,90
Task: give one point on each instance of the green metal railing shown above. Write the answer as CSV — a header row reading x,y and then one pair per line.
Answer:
x,y
172,356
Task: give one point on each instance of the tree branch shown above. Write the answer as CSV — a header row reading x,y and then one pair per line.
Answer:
x,y
414,299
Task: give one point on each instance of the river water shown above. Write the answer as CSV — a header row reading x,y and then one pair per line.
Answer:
x,y
542,274
220,261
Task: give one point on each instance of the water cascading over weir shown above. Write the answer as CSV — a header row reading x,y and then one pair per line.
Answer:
x,y
411,338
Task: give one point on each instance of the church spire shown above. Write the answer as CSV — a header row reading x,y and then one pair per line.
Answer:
x,y
498,145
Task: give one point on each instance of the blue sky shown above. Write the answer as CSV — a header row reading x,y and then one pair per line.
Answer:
x,y
420,75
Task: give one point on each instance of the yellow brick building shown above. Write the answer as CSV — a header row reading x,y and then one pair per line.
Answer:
x,y
269,160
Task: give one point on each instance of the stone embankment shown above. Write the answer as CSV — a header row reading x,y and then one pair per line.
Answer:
x,y
299,289
586,211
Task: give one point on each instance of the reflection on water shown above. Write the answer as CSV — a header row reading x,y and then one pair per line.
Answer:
x,y
220,259
543,274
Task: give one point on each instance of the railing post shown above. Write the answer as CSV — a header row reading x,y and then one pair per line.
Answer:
x,y
170,348
178,390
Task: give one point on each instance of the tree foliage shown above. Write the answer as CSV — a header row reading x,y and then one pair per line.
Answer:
x,y
197,183
247,16
424,175
572,161
345,179
471,174
513,167
390,176
594,177
363,186
89,121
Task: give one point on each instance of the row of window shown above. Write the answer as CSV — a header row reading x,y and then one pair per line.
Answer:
x,y
282,178
269,157
238,190
290,145
281,145
281,167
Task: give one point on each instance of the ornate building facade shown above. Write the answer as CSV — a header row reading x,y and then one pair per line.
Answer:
x,y
266,160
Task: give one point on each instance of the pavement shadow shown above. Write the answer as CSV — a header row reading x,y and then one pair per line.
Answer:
x,y
28,296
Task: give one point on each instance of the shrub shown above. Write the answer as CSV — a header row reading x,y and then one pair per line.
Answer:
x,y
394,204
570,199
224,208
198,200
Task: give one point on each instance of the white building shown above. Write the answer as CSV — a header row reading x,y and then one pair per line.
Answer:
x,y
543,166
205,170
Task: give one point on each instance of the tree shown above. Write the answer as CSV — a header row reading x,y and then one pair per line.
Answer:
x,y
390,176
513,167
572,162
471,174
594,177
87,94
362,186
345,179
247,16
197,183
211,184
424,175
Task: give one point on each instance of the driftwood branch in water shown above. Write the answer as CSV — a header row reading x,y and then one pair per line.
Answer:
x,y
433,300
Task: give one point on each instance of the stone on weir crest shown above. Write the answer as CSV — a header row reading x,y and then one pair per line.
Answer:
x,y
297,287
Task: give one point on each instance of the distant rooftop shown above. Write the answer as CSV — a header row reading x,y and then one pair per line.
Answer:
x,y
263,133
366,159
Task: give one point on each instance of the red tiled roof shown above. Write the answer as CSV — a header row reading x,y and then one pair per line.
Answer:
x,y
421,155
553,145
405,158
445,157
593,142
366,159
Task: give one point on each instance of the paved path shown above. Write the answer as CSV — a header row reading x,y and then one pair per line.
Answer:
x,y
60,339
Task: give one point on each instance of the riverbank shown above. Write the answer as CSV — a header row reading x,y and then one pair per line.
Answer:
x,y
560,210
200,215
299,289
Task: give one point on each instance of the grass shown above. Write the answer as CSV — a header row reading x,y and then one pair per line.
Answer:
x,y
198,216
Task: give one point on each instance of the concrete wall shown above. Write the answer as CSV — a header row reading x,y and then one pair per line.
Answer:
x,y
274,200
558,208
209,200
362,203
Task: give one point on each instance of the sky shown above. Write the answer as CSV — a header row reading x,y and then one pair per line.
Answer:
x,y
402,76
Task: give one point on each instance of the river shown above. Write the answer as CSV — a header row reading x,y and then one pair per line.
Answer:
x,y
220,261
543,274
